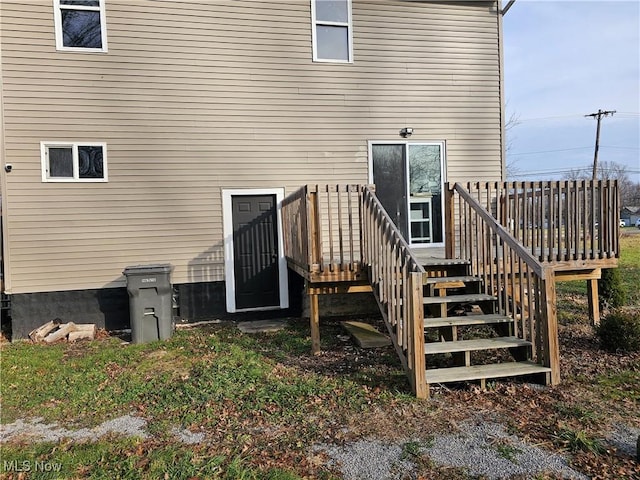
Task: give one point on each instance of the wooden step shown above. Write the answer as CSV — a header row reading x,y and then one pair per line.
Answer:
x,y
481,372
474,345
464,279
437,262
466,320
469,298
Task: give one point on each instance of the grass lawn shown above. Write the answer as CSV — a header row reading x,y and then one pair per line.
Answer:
x,y
262,401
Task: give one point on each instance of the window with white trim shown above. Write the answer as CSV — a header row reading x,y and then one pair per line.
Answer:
x,y
80,25
331,31
73,162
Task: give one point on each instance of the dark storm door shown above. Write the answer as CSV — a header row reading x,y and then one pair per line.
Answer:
x,y
255,248
390,178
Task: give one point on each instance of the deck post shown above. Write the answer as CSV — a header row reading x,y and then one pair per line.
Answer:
x,y
449,222
594,306
314,318
415,319
315,257
549,314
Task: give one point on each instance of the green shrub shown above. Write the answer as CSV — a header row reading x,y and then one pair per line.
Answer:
x,y
611,289
620,331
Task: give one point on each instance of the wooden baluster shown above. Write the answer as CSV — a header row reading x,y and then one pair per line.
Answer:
x,y
562,234
313,232
517,221
512,278
550,220
352,260
523,301
578,226
340,229
613,219
587,214
525,215
449,222
616,209
602,237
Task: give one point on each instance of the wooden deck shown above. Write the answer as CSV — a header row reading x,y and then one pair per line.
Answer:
x,y
512,241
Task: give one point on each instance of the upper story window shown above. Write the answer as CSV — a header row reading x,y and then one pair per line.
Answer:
x,y
331,34
73,162
80,25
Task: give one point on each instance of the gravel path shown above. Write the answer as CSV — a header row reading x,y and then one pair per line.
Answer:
x,y
368,459
485,448
127,425
480,447
35,430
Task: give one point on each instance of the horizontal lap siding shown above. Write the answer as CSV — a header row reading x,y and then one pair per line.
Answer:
x,y
194,97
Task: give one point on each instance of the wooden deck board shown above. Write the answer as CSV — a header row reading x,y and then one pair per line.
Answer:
x,y
470,298
477,372
474,345
466,278
466,320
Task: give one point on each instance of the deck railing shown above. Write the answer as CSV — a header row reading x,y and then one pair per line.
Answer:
x,y
342,233
397,278
322,231
525,288
558,221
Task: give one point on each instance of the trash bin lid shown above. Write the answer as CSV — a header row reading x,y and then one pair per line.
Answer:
x,y
157,268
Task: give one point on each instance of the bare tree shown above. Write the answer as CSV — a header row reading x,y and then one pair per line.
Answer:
x,y
511,167
626,186
629,190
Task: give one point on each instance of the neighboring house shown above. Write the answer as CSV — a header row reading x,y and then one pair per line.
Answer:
x,y
129,125
630,215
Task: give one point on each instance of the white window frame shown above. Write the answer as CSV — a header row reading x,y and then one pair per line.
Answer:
x,y
314,39
227,226
44,156
57,14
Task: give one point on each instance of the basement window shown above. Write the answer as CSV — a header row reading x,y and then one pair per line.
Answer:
x,y
331,31
74,162
80,25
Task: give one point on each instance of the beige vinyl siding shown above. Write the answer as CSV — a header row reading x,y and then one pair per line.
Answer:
x,y
193,97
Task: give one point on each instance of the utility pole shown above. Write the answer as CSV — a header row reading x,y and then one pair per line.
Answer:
x,y
598,116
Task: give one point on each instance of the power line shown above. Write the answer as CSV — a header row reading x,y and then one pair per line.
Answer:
x,y
624,148
555,117
574,115
550,151
572,148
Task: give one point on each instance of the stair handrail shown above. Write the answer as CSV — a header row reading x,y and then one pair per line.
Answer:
x,y
396,277
520,281
504,234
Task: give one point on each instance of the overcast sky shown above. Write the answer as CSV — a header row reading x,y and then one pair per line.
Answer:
x,y
565,59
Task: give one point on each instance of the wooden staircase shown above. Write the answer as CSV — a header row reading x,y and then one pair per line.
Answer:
x,y
465,337
449,320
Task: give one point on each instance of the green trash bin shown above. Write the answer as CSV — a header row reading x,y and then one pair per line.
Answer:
x,y
150,302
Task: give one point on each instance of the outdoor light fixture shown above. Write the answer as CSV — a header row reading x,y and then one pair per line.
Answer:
x,y
406,132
